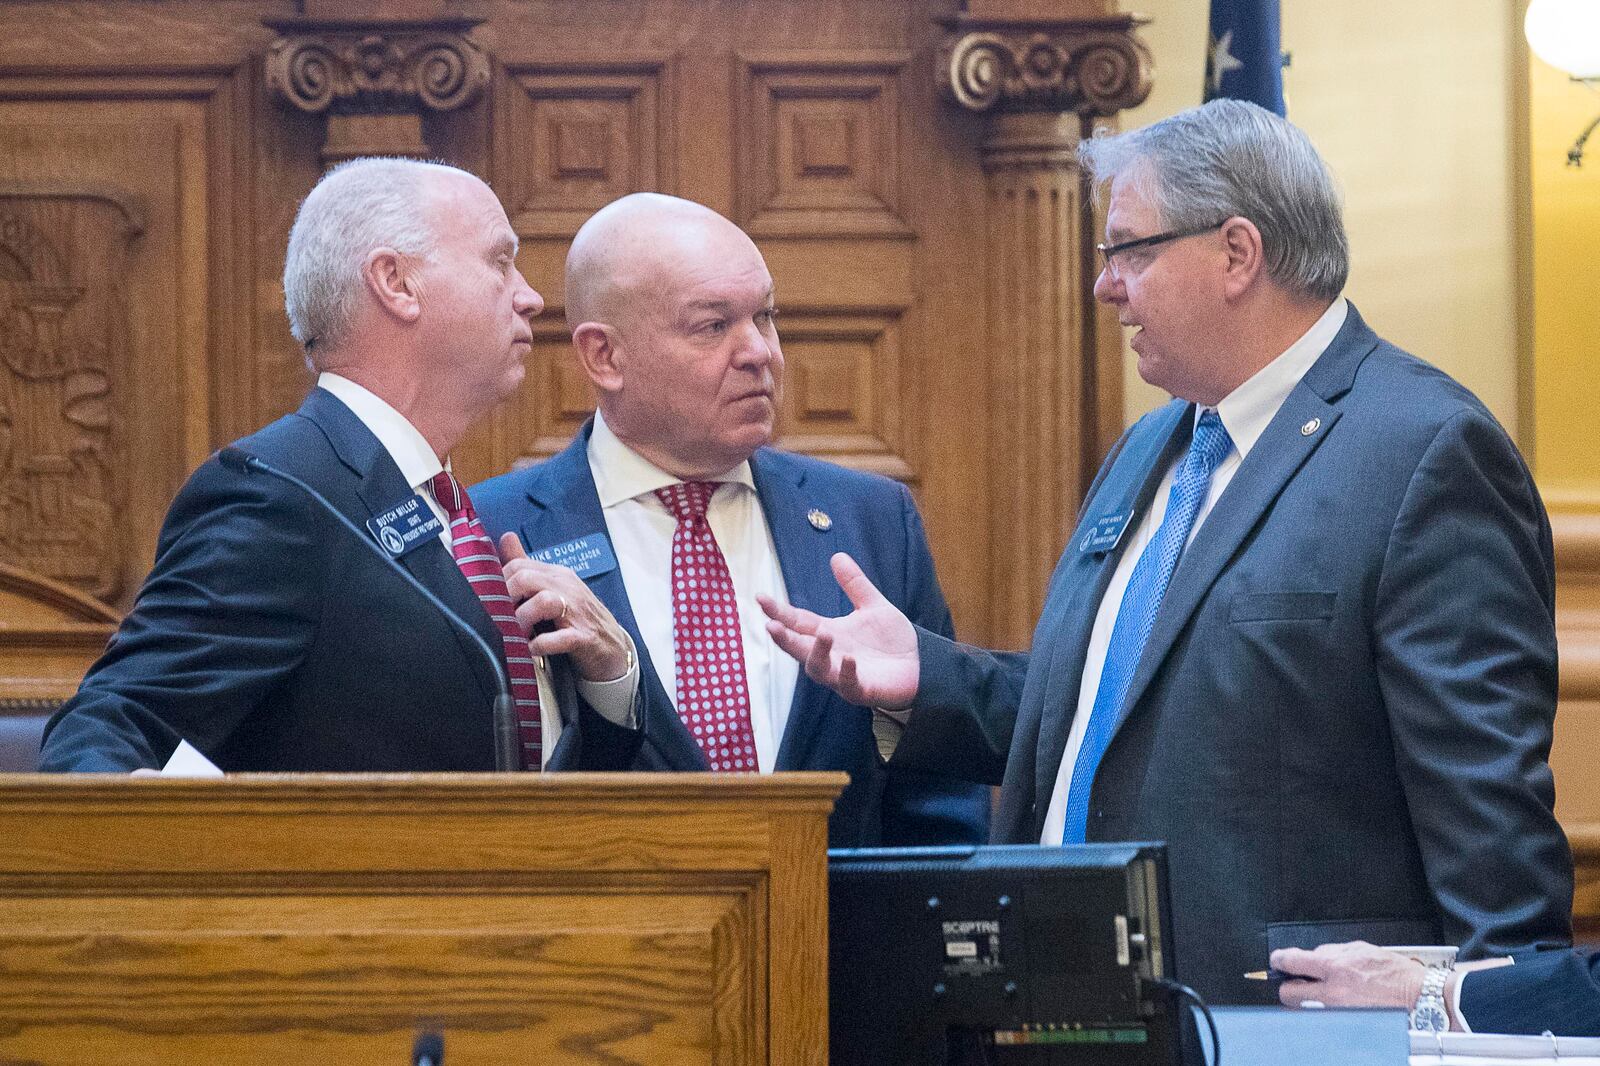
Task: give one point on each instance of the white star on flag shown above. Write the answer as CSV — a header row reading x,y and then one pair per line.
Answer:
x,y
1221,60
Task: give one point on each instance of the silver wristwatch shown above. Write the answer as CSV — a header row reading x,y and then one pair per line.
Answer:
x,y
1429,1014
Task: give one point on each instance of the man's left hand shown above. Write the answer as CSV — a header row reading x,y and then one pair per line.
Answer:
x,y
561,616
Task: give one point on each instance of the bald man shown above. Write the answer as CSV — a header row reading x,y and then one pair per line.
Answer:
x,y
674,510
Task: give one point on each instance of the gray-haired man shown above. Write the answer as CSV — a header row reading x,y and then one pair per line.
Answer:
x,y
270,638
1304,629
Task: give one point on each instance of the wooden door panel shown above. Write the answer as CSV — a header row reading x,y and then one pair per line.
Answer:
x,y
815,127
104,343
819,125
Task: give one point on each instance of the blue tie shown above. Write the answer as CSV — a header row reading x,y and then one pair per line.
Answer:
x,y
1137,615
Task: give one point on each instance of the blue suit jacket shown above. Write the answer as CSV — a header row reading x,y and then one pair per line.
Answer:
x,y
874,520
268,637
1341,719
1557,991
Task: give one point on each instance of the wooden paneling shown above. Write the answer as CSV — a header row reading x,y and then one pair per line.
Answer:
x,y
574,137
818,145
1577,537
119,332
49,634
572,918
816,124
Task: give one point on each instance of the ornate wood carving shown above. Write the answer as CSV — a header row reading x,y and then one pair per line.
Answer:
x,y
375,78
1040,82
1085,66
63,347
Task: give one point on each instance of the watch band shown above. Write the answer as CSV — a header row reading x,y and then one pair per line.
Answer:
x,y
1429,1014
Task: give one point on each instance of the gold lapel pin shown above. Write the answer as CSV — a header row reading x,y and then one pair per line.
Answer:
x,y
819,519
1311,427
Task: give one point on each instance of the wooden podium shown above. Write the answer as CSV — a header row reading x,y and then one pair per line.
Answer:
x,y
289,919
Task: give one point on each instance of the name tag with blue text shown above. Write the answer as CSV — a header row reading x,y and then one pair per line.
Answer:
x,y
406,526
1105,533
588,556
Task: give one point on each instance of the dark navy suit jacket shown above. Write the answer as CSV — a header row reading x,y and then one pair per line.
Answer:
x,y
270,639
1341,720
1557,991
874,520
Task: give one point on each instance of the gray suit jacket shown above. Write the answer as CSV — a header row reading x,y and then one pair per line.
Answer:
x,y
1341,720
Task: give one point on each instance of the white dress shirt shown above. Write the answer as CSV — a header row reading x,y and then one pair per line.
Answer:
x,y
1245,413
419,464
641,530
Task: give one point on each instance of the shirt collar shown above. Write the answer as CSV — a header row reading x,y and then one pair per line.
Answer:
x,y
620,473
408,448
1246,410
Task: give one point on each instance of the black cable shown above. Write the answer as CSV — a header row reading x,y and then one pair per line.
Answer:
x,y
1211,1023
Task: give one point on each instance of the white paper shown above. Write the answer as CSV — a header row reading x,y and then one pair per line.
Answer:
x,y
188,762
1491,1049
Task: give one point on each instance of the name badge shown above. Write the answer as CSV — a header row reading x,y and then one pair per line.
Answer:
x,y
588,556
405,526
1105,533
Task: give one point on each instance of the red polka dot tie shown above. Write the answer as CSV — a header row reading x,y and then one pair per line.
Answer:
x,y
713,693
475,555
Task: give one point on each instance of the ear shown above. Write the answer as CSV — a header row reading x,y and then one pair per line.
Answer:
x,y
393,283
600,351
1241,242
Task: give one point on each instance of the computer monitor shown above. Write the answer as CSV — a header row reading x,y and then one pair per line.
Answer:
x,y
1026,955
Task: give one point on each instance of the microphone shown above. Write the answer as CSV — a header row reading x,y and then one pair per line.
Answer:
x,y
507,751
428,1050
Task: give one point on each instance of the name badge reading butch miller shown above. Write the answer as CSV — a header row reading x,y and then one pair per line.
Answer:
x,y
405,527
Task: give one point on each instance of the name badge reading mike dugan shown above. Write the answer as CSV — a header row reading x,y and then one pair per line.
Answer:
x,y
405,526
588,556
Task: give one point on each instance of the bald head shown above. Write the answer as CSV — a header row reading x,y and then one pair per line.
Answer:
x,y
670,307
622,253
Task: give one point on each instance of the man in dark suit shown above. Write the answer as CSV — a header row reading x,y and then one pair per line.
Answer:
x,y
1304,629
1546,991
270,638
671,309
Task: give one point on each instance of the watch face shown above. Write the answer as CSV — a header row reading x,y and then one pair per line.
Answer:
x,y
1430,1019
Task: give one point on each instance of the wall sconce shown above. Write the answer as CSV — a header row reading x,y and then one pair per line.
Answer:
x,y
1566,35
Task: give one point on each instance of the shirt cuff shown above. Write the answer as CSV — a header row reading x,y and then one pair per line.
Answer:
x,y
887,729
1455,1001
613,700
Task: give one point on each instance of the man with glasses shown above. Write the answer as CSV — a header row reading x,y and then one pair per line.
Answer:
x,y
1303,631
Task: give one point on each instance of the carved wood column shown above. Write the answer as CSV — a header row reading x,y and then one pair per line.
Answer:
x,y
375,78
1055,380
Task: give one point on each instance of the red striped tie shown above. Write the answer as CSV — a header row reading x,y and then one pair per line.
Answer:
x,y
475,555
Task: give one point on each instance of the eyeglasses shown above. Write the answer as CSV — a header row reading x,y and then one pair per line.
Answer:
x,y
1108,252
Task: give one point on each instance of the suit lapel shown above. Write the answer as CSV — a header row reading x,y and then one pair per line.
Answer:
x,y
1129,489
1298,429
382,486
565,506
803,553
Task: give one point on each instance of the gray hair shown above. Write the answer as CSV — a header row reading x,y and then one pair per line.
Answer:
x,y
357,206
1228,158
